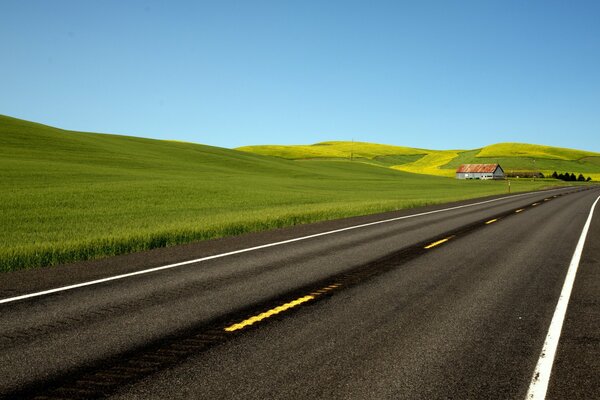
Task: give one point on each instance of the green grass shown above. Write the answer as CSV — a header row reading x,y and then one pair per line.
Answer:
x,y
390,161
69,196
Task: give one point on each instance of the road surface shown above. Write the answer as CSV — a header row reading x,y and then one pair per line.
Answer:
x,y
449,301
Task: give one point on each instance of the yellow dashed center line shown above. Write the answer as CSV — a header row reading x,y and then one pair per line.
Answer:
x,y
274,311
438,242
519,210
491,221
279,309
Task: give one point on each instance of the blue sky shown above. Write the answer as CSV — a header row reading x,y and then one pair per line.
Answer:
x,y
431,74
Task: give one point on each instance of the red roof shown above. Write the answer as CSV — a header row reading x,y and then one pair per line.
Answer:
x,y
488,168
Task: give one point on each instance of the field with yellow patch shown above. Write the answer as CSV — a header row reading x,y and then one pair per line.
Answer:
x,y
512,157
431,164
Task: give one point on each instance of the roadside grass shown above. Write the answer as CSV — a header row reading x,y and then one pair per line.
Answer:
x,y
69,196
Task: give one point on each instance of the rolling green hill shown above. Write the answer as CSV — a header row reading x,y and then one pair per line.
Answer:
x,y
68,196
511,156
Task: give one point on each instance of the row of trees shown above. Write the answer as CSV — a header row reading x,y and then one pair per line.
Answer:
x,y
570,177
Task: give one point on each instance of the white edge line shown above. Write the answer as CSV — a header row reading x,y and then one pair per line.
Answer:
x,y
541,375
264,246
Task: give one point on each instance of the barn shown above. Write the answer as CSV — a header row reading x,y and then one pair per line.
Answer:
x,y
480,171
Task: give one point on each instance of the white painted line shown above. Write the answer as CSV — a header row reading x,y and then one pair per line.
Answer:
x,y
264,246
541,375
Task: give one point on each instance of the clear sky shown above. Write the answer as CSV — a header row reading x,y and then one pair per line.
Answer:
x,y
432,74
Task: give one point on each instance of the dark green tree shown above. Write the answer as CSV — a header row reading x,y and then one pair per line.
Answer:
x,y
589,178
573,177
555,175
561,177
580,178
567,177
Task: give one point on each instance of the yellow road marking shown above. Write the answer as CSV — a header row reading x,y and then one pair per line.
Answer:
x,y
284,307
491,221
274,311
438,242
519,210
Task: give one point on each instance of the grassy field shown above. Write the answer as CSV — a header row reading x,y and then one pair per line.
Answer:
x,y
511,156
69,196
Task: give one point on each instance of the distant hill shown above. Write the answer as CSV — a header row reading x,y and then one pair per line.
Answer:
x,y
511,156
333,150
68,196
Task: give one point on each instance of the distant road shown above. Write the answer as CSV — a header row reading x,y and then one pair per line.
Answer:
x,y
450,301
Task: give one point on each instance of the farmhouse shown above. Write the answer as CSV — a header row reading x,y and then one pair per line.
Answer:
x,y
480,171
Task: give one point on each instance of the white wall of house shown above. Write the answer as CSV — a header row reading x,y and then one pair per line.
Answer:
x,y
497,174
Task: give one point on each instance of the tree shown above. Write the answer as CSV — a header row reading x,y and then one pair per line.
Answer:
x,y
589,178
555,175
573,177
580,178
561,177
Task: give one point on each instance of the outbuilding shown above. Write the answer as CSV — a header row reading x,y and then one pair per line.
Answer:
x,y
480,171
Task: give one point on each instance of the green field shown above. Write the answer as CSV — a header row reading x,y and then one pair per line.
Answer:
x,y
69,196
511,156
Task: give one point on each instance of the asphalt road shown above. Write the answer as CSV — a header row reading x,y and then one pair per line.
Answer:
x,y
438,305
